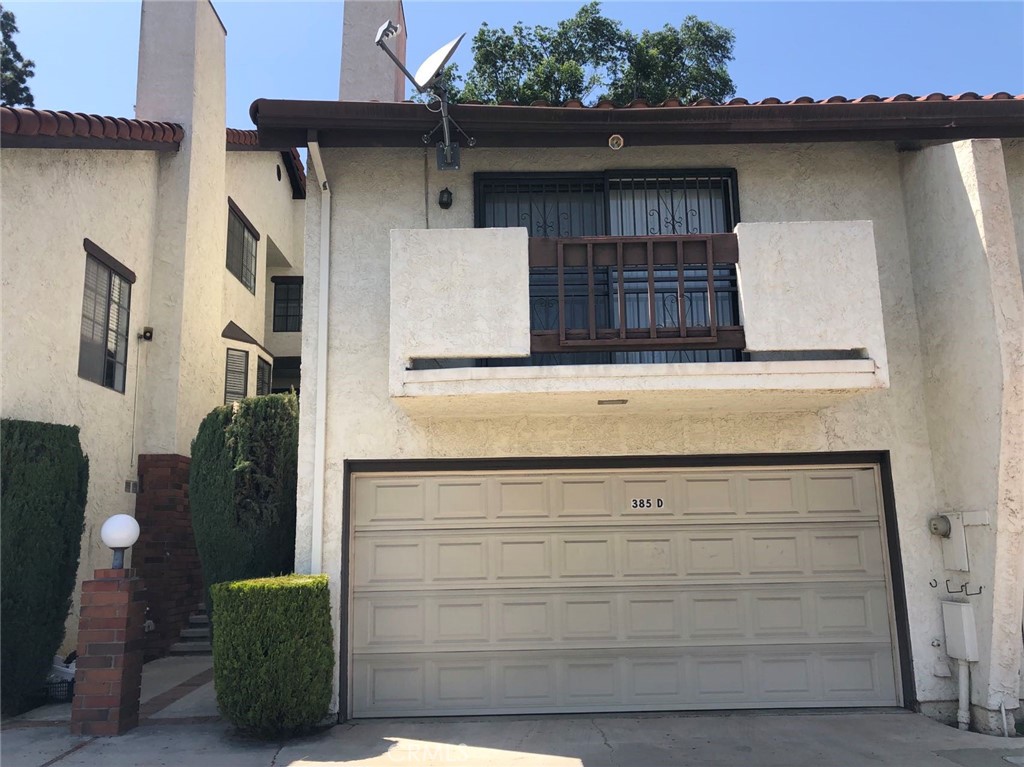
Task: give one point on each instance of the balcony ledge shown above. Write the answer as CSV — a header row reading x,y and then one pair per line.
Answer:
x,y
654,389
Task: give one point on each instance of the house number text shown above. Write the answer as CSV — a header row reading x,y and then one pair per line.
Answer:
x,y
647,503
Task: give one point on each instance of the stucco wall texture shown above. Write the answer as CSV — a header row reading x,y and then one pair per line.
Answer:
x,y
163,215
375,191
251,180
963,254
43,273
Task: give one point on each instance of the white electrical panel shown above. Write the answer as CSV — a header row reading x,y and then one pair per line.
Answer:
x,y
954,547
961,632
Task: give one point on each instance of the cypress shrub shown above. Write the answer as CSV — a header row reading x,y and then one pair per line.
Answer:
x,y
242,489
44,482
273,653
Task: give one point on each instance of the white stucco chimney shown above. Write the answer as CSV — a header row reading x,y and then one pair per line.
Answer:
x,y
367,74
182,80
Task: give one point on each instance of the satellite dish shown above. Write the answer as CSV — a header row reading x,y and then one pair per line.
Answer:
x,y
426,80
431,68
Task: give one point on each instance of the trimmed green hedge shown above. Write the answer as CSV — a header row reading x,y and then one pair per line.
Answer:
x,y
242,488
44,483
273,653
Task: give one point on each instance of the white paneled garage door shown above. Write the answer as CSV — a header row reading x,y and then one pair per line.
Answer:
x,y
618,591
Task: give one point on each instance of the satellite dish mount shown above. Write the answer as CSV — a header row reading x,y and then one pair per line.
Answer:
x,y
427,80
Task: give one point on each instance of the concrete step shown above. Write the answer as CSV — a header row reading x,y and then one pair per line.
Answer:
x,y
196,620
196,633
191,648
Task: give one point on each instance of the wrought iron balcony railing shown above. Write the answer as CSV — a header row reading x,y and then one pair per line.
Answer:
x,y
634,294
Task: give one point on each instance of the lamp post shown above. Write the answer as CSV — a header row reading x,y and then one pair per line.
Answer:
x,y
119,532
108,676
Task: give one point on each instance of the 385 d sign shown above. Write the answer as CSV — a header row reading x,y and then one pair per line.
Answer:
x,y
647,503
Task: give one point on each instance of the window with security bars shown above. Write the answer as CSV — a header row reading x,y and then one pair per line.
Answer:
x,y
241,257
620,204
103,347
236,376
287,304
264,374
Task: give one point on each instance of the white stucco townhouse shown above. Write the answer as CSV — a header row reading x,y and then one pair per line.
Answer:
x,y
661,427
151,271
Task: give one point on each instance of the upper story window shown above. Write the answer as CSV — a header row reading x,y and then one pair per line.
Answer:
x,y
620,204
287,304
106,304
616,203
242,239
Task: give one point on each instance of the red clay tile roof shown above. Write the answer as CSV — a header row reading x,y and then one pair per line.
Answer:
x,y
240,137
772,101
24,127
42,124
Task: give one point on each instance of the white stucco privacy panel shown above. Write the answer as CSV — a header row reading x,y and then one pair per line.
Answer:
x,y
812,285
459,293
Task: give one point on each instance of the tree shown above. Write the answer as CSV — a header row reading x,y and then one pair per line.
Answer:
x,y
15,69
590,55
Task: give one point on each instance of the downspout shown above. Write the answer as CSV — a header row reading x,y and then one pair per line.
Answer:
x,y
320,433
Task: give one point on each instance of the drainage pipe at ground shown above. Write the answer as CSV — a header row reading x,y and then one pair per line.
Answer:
x,y
963,714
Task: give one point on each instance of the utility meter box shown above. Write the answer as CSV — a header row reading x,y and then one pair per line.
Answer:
x,y
961,632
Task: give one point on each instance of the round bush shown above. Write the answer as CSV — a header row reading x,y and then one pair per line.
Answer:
x,y
273,653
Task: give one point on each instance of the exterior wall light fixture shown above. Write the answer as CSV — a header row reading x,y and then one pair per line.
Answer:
x,y
445,198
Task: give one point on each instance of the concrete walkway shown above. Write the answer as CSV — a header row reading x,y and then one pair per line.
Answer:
x,y
758,739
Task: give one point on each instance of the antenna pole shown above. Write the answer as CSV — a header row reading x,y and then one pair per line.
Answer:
x,y
442,95
400,65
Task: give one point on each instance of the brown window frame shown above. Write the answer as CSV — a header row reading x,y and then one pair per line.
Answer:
x,y
286,318
97,362
241,259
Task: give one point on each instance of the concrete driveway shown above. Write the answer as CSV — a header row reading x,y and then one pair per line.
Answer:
x,y
757,739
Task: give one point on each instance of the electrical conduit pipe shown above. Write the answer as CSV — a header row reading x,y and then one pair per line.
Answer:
x,y
320,429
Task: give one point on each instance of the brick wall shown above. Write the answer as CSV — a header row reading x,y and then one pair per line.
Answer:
x,y
108,672
165,556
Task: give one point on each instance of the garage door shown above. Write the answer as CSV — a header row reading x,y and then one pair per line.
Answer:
x,y
618,591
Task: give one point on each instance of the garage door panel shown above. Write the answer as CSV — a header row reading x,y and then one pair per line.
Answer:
x,y
616,498
647,679
819,552
577,618
618,591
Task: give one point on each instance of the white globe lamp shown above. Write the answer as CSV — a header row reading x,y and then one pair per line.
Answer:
x,y
119,532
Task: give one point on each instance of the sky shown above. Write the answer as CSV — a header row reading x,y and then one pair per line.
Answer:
x,y
86,52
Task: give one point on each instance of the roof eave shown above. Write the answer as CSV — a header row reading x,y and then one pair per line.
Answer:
x,y
369,124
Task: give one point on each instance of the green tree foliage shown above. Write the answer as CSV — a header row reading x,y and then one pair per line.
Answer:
x,y
273,653
15,69
242,488
590,56
44,483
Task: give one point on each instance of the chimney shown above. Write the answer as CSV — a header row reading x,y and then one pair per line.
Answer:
x,y
182,80
367,74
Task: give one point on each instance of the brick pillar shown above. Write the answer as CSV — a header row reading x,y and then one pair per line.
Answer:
x,y
108,674
165,556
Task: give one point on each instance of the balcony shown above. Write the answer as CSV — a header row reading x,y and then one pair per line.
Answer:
x,y
629,294
489,321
